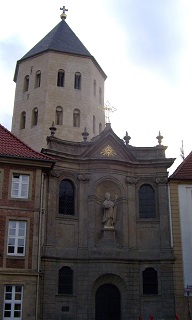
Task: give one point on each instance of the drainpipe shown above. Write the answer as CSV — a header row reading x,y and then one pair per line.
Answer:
x,y
41,211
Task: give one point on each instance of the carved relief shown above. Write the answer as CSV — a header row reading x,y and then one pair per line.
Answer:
x,y
161,180
131,180
83,177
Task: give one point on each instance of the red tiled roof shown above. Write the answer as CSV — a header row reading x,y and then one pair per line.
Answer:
x,y
11,146
184,170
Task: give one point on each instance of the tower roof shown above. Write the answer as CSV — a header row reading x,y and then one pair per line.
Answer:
x,y
60,39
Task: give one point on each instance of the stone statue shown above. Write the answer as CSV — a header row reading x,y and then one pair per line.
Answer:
x,y
109,207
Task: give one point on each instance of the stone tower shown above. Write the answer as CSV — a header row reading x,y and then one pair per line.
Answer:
x,y
58,81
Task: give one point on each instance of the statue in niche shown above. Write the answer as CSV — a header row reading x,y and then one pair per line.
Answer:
x,y
110,208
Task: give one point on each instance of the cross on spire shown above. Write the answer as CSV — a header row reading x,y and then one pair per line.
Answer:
x,y
64,9
63,15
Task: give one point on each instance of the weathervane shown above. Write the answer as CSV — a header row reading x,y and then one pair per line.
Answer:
x,y
108,109
63,15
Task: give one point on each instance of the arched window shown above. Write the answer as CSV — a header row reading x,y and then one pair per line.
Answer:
x,y
147,202
23,120
150,281
34,117
61,78
77,81
94,87
100,127
59,116
100,95
26,83
76,118
38,79
66,197
65,285
93,124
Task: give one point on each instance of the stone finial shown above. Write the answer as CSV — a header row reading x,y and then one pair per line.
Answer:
x,y
127,138
63,15
53,129
85,134
159,138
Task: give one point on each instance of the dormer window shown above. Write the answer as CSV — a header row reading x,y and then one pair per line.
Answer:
x,y
60,78
77,81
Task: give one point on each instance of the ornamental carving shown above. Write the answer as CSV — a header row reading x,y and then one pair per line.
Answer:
x,y
161,180
131,180
83,177
108,151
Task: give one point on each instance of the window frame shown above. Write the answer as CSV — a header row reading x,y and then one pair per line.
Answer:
x,y
64,288
16,237
26,83
23,120
38,79
77,81
150,283
61,78
73,203
147,218
20,184
13,301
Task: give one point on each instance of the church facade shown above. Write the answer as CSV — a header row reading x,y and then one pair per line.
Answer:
x,y
106,242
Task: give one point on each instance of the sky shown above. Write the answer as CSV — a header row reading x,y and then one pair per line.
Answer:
x,y
144,47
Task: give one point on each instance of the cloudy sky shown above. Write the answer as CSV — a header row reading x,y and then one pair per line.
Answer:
x,y
144,47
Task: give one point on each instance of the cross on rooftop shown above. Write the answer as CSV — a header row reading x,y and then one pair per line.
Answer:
x,y
64,9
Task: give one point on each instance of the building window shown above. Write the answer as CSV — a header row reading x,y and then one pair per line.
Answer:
x,y
76,118
66,197
65,285
150,281
100,95
60,78
20,186
59,116
26,83
38,79
34,117
16,238
23,120
147,202
13,302
77,81
93,124
94,87
100,127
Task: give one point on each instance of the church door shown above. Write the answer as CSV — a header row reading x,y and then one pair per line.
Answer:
x,y
107,303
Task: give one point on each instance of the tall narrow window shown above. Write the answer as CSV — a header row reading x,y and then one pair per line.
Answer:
x,y
66,197
26,83
77,81
65,285
100,127
100,95
94,87
34,117
38,79
150,281
16,238
147,202
93,124
76,118
61,78
20,186
13,297
23,120
59,115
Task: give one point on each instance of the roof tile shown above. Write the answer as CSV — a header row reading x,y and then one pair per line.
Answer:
x,y
184,170
11,146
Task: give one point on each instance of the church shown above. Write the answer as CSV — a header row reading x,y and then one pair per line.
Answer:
x,y
105,240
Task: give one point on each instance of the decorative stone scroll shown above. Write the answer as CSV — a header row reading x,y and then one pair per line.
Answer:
x,y
131,180
161,180
83,177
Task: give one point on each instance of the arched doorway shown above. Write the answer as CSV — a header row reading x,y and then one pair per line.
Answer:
x,y
107,303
